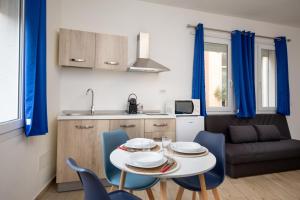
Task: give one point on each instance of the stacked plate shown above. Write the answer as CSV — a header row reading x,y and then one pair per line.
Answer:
x,y
146,159
188,147
140,143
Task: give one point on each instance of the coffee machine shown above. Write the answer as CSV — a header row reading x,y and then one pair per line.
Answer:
x,y
132,106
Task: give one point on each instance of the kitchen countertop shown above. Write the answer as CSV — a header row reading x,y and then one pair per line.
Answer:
x,y
106,115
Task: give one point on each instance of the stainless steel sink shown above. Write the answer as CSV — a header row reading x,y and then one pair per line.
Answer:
x,y
97,112
76,112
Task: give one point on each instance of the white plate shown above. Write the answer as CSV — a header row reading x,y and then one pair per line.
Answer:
x,y
139,143
146,159
187,147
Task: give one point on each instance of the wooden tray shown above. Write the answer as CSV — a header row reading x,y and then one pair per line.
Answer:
x,y
153,149
154,171
189,155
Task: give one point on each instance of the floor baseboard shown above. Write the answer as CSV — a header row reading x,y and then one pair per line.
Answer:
x,y
45,188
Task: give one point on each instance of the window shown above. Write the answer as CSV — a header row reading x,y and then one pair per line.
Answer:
x,y
11,67
266,74
217,75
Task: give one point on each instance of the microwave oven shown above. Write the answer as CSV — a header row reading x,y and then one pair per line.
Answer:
x,y
183,107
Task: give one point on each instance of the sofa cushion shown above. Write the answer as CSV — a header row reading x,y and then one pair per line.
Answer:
x,y
221,123
267,132
262,151
242,134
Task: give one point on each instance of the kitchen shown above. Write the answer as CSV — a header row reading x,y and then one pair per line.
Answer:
x,y
98,51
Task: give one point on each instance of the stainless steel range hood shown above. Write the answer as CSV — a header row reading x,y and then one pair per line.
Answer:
x,y
143,62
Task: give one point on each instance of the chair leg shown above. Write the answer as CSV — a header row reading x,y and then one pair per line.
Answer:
x,y
112,188
216,194
194,195
179,193
150,194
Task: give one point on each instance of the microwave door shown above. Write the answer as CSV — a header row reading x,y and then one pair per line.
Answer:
x,y
184,107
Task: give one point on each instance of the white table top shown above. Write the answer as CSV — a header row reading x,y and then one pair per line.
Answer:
x,y
188,166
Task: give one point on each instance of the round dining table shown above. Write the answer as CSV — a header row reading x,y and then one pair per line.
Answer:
x,y
187,166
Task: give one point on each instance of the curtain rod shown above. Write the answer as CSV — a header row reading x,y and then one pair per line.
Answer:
x,y
225,31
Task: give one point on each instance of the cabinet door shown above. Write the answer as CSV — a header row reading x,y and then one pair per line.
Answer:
x,y
80,140
134,128
76,48
156,128
111,52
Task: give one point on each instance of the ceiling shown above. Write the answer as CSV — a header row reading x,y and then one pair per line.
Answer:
x,y
286,12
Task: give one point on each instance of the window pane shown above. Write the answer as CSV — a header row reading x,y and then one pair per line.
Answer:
x,y
268,80
9,56
216,74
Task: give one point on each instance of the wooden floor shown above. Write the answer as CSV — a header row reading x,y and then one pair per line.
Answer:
x,y
278,186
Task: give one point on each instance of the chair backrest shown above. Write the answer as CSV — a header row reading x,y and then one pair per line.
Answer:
x,y
215,143
93,188
111,141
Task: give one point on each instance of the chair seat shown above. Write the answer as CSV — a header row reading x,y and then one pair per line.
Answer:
x,y
192,183
133,181
122,195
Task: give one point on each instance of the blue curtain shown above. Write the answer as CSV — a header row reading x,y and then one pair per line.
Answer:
x,y
198,88
283,91
243,73
35,105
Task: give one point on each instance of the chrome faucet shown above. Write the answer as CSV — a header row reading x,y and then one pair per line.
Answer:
x,y
92,106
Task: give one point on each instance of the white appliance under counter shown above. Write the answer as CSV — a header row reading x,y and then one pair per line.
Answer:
x,y
187,127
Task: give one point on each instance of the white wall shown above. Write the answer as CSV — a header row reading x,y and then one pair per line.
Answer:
x,y
170,44
28,164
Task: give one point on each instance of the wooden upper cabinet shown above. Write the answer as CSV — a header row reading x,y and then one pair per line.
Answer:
x,y
111,52
76,48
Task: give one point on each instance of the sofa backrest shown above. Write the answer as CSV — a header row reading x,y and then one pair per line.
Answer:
x,y
220,123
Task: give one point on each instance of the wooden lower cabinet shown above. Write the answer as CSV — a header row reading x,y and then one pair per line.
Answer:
x,y
156,128
80,140
133,127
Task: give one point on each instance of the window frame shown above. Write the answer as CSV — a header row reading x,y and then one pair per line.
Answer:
x,y
230,108
258,81
8,126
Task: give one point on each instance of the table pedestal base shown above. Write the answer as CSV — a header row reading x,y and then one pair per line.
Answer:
x,y
163,189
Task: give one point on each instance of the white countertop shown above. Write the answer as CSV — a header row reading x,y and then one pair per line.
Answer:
x,y
63,116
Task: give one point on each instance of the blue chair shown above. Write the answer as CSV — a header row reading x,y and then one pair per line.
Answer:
x,y
93,189
215,143
111,141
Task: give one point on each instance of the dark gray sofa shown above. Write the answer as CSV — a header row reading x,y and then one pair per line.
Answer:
x,y
254,158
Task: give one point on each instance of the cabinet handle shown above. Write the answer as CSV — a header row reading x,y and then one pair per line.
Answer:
x,y
111,63
128,126
160,125
84,126
157,139
77,60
